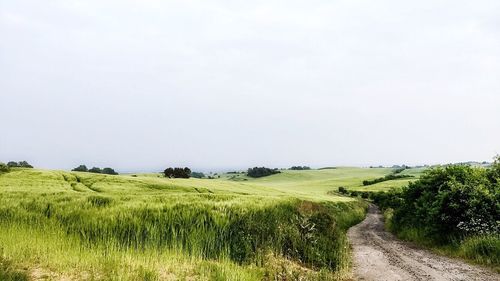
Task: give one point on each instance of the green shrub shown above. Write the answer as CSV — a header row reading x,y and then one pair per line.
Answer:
x,y
343,190
451,202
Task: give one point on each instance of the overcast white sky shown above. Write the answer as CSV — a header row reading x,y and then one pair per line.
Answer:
x,y
141,85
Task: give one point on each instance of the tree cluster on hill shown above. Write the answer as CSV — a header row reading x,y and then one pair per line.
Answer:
x,y
298,168
183,173
20,164
258,172
95,170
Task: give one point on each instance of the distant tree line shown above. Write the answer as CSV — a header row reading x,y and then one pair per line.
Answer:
x,y
258,172
386,178
300,168
396,174
95,170
20,164
183,173
197,175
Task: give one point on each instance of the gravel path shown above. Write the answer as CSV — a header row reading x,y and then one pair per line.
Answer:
x,y
379,256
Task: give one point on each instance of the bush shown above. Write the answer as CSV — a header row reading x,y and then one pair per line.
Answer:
x,y
81,168
452,202
343,190
4,168
258,172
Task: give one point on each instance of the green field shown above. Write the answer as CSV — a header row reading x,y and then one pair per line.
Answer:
x,y
80,226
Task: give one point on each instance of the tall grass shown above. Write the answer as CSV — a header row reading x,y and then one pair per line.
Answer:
x,y
153,234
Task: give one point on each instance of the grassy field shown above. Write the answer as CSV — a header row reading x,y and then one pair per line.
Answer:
x,y
57,225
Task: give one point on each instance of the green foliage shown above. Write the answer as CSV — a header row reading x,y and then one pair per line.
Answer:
x,y
258,172
343,190
456,206
451,202
4,168
108,171
21,164
386,178
182,173
197,175
300,168
95,170
81,168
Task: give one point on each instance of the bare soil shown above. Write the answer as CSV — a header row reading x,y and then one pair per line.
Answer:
x,y
380,256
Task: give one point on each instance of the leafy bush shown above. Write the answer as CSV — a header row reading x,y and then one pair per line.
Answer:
x,y
343,190
450,202
258,172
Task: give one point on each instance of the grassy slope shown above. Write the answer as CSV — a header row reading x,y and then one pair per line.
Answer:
x,y
48,218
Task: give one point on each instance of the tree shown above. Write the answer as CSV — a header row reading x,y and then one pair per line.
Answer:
x,y
4,168
12,164
300,168
109,171
81,168
169,172
257,172
177,172
25,164
95,170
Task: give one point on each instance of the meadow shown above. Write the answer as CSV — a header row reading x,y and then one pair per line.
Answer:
x,y
57,225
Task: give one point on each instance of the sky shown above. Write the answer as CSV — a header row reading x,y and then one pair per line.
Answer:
x,y
143,85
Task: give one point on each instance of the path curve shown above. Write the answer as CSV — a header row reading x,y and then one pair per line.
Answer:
x,y
379,256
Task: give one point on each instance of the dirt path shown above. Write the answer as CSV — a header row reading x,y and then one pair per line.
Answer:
x,y
379,256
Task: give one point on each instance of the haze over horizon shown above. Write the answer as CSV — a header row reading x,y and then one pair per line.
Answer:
x,y
141,85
